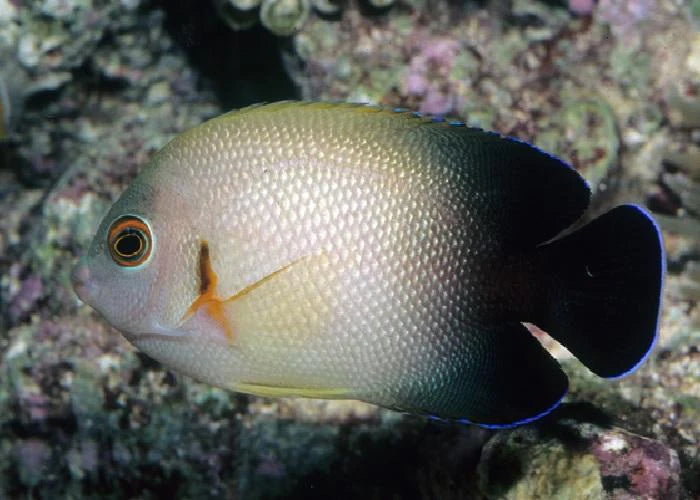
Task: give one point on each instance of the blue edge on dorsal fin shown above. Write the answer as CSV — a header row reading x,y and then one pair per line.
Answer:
x,y
458,123
434,118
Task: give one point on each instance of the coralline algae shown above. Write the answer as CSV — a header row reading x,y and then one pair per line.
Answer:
x,y
585,462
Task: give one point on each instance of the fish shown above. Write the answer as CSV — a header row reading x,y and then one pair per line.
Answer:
x,y
348,251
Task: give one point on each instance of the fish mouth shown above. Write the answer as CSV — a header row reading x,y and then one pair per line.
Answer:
x,y
82,284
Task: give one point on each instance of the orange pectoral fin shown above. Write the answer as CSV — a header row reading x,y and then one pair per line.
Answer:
x,y
208,301
213,306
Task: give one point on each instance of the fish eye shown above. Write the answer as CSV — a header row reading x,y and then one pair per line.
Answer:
x,y
129,241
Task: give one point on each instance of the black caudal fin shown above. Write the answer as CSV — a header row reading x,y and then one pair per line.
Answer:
x,y
605,300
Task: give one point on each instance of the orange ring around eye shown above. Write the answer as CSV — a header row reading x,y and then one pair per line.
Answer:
x,y
129,241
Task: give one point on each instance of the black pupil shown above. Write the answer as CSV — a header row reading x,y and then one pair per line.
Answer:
x,y
129,244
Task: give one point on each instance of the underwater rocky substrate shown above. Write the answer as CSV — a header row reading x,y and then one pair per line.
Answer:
x,y
94,89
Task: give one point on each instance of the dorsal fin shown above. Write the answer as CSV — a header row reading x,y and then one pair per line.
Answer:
x,y
519,193
522,195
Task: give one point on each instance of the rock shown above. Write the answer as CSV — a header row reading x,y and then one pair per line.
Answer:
x,y
578,460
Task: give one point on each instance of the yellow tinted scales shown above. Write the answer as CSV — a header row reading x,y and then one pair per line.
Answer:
x,y
272,391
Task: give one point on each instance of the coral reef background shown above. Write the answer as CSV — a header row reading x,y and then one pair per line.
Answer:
x,y
90,89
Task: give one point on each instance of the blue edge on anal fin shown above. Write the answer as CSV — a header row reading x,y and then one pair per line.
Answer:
x,y
504,426
519,422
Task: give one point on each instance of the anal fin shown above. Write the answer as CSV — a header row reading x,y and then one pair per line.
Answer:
x,y
508,379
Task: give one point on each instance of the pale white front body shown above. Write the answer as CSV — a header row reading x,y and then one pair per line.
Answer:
x,y
364,234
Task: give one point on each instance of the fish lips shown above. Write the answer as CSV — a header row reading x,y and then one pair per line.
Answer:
x,y
82,284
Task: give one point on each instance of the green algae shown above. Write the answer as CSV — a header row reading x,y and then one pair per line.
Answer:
x,y
586,133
